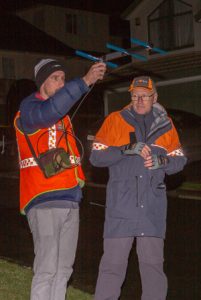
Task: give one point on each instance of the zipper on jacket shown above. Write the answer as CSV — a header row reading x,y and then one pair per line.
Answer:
x,y
145,131
137,202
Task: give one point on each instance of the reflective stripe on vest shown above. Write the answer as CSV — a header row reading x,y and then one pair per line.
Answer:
x,y
52,137
30,162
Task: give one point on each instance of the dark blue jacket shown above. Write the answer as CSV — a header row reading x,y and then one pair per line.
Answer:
x,y
37,114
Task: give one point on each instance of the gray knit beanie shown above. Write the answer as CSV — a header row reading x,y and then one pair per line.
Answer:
x,y
45,68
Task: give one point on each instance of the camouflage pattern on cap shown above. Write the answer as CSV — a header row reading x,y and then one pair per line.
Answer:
x,y
142,82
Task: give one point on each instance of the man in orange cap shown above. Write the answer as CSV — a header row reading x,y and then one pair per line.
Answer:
x,y
139,145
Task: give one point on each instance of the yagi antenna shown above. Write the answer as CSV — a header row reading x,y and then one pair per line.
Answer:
x,y
147,46
94,58
122,50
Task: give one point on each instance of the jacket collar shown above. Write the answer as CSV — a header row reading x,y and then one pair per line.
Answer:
x,y
38,96
160,118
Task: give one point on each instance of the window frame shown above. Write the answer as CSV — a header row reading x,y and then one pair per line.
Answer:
x,y
171,32
71,25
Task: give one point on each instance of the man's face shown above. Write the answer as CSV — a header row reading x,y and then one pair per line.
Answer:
x,y
52,84
142,100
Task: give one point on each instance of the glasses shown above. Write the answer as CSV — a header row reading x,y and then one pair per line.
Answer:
x,y
135,97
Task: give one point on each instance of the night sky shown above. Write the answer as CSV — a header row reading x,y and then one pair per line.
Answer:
x,y
104,6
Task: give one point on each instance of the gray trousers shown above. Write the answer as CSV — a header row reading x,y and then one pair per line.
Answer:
x,y
113,266
55,235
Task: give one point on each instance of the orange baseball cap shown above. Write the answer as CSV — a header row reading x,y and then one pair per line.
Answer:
x,y
143,82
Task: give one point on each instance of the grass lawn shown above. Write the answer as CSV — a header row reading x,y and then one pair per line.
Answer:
x,y
15,282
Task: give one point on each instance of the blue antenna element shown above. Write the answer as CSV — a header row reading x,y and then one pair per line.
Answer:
x,y
146,45
115,48
94,58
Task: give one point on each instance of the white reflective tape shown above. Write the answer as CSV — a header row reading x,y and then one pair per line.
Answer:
x,y
99,146
52,137
28,162
177,152
74,160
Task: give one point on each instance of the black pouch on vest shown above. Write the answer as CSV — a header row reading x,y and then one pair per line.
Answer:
x,y
51,162
54,161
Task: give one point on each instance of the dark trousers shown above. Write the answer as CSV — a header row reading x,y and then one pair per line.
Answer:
x,y
113,266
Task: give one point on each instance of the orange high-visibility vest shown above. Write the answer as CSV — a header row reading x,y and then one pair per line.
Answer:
x,y
32,181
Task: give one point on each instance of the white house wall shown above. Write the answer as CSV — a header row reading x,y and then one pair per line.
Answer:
x,y
92,32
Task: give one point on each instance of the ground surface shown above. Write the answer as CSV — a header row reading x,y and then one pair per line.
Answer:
x,y
182,247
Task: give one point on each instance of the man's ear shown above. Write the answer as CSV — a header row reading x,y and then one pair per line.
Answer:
x,y
155,98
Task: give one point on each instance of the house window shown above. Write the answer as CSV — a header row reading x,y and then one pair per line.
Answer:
x,y
71,23
8,67
171,25
39,19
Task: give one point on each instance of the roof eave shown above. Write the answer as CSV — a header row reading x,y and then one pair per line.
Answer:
x,y
126,13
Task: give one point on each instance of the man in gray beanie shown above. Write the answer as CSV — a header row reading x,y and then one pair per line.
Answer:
x,y
44,68
51,176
